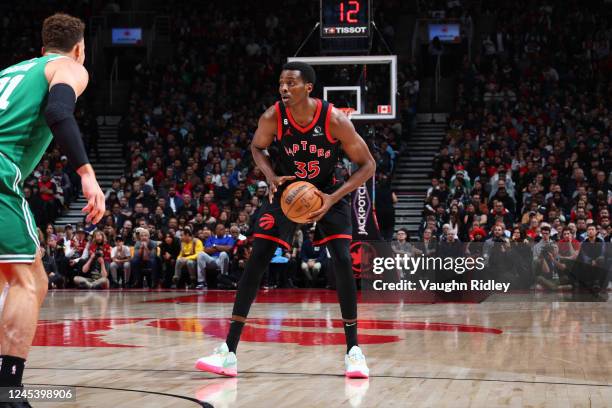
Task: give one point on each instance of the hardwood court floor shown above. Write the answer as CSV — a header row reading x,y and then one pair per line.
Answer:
x,y
127,349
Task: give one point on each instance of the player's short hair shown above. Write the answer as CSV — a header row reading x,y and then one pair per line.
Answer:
x,y
61,32
306,71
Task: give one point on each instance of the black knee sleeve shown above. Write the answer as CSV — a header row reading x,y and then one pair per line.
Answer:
x,y
345,281
263,251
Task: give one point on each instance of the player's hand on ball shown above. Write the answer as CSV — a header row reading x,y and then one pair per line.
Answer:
x,y
327,201
275,182
96,202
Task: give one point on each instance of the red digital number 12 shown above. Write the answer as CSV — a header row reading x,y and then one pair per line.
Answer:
x,y
350,13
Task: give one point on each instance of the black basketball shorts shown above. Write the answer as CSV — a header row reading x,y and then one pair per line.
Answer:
x,y
273,225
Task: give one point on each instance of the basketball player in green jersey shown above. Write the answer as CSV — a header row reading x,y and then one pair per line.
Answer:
x,y
37,100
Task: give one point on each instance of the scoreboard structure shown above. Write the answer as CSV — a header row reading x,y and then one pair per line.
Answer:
x,y
345,18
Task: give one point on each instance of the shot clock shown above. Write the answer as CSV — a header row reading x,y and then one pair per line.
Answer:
x,y
345,18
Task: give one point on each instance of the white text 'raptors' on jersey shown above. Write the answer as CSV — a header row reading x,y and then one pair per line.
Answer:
x,y
310,153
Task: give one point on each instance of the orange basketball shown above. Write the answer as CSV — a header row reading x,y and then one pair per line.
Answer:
x,y
299,200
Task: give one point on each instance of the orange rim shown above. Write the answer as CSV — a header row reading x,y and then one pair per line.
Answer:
x,y
347,111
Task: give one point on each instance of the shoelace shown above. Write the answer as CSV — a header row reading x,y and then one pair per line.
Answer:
x,y
356,358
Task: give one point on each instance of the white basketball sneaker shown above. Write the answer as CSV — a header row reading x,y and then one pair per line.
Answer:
x,y
355,363
221,361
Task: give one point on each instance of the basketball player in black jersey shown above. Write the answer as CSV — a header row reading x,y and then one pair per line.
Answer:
x,y
310,133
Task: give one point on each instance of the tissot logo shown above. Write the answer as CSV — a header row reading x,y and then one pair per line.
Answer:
x,y
362,206
346,30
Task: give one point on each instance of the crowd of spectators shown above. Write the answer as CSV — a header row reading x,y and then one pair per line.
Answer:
x,y
181,254
527,152
182,213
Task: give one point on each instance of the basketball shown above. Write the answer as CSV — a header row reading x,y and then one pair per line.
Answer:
x,y
299,200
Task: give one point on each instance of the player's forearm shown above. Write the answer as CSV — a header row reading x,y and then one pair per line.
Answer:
x,y
263,162
363,174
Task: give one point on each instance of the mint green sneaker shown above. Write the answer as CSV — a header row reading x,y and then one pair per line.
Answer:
x,y
221,361
355,364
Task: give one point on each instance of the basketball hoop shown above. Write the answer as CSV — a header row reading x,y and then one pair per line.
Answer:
x,y
347,111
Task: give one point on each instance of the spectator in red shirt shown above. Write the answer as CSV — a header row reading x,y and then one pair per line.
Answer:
x,y
214,209
100,245
534,228
47,190
569,247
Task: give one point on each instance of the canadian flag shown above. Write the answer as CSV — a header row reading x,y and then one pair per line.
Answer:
x,y
384,109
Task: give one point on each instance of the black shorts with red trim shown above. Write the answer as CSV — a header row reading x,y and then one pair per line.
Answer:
x,y
273,225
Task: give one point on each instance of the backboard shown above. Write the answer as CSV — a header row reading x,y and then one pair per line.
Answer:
x,y
367,85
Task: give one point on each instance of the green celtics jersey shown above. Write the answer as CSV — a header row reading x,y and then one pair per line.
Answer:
x,y
24,134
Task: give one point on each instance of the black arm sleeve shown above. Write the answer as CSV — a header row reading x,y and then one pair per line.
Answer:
x,y
60,118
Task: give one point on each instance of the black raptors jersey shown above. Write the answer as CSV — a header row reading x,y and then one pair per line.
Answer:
x,y
310,153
